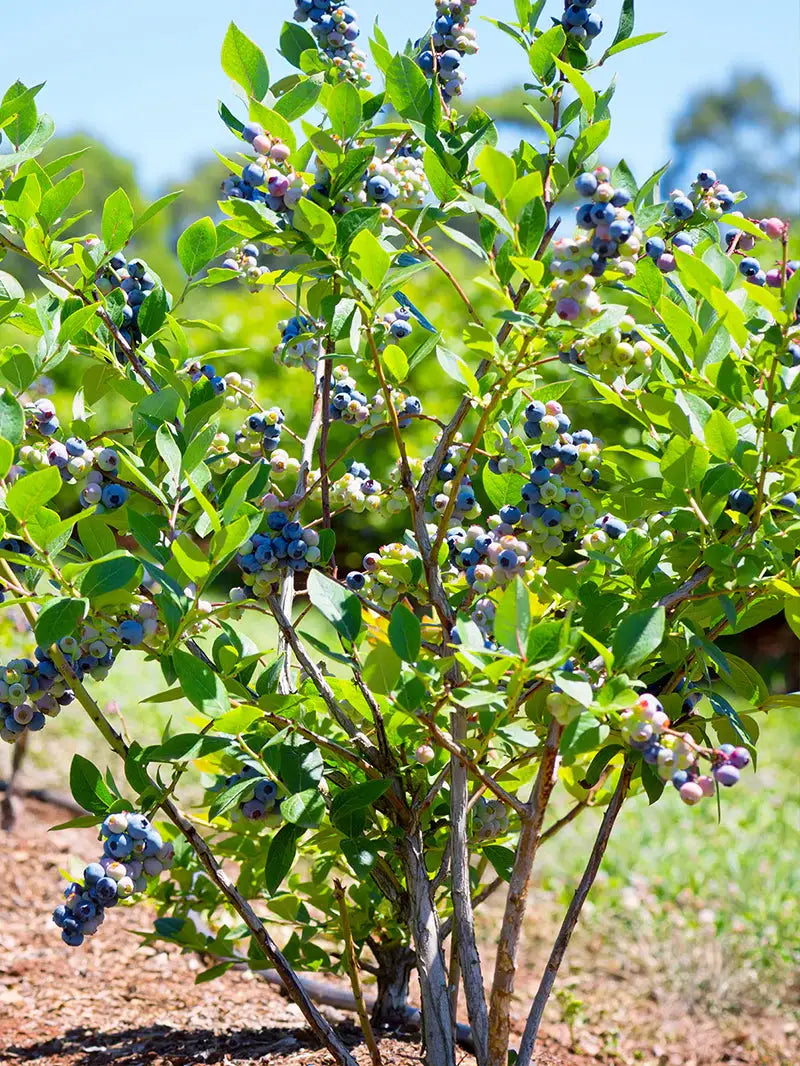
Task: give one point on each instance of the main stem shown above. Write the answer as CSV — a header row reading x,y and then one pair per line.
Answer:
x,y
571,917
437,1025
516,900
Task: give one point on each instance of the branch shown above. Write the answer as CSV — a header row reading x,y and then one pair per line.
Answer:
x,y
420,244
291,982
571,917
326,692
506,964
355,980
306,458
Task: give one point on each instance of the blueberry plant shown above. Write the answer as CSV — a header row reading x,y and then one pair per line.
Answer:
x,y
539,631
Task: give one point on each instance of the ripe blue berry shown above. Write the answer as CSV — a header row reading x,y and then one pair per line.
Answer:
x,y
741,501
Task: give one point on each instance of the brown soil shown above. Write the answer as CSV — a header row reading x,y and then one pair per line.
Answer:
x,y
113,1002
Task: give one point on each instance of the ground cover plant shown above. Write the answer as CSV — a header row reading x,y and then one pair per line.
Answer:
x,y
547,623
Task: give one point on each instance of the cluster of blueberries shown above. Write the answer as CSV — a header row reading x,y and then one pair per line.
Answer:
x,y
300,343
236,390
674,756
133,851
32,690
133,278
357,490
489,819
335,25
244,262
285,545
611,244
574,455
255,806
445,487
43,418
388,574
579,22
347,403
443,51
611,353
77,463
490,558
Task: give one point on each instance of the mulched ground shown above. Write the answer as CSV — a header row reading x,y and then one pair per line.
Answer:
x,y
112,1002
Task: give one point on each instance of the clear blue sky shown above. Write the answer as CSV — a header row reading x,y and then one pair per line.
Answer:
x,y
145,78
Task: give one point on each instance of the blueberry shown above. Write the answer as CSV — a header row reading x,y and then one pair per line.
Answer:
x,y
507,559
788,501
105,891
253,175
355,580
510,514
749,267
683,208
586,184
130,633
114,496
741,501
251,131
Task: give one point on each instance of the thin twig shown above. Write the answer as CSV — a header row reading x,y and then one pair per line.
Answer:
x,y
355,980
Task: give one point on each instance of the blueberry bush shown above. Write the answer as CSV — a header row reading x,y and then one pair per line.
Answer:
x,y
382,759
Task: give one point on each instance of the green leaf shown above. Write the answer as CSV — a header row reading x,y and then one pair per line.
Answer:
x,y
244,62
405,633
349,808
76,322
6,456
588,142
720,435
31,492
497,170
626,21
153,311
443,184
305,809
396,361
59,618
584,733
631,42
299,99
197,245
201,686
580,85
274,123
340,607
12,420
344,110
109,575
639,634
513,618
684,463
546,645
230,797
316,223
369,258
155,208
503,488
294,41
280,856
185,747
361,854
544,50
408,89
56,200
531,226
117,223
88,787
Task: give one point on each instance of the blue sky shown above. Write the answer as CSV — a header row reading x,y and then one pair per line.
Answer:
x,y
145,78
